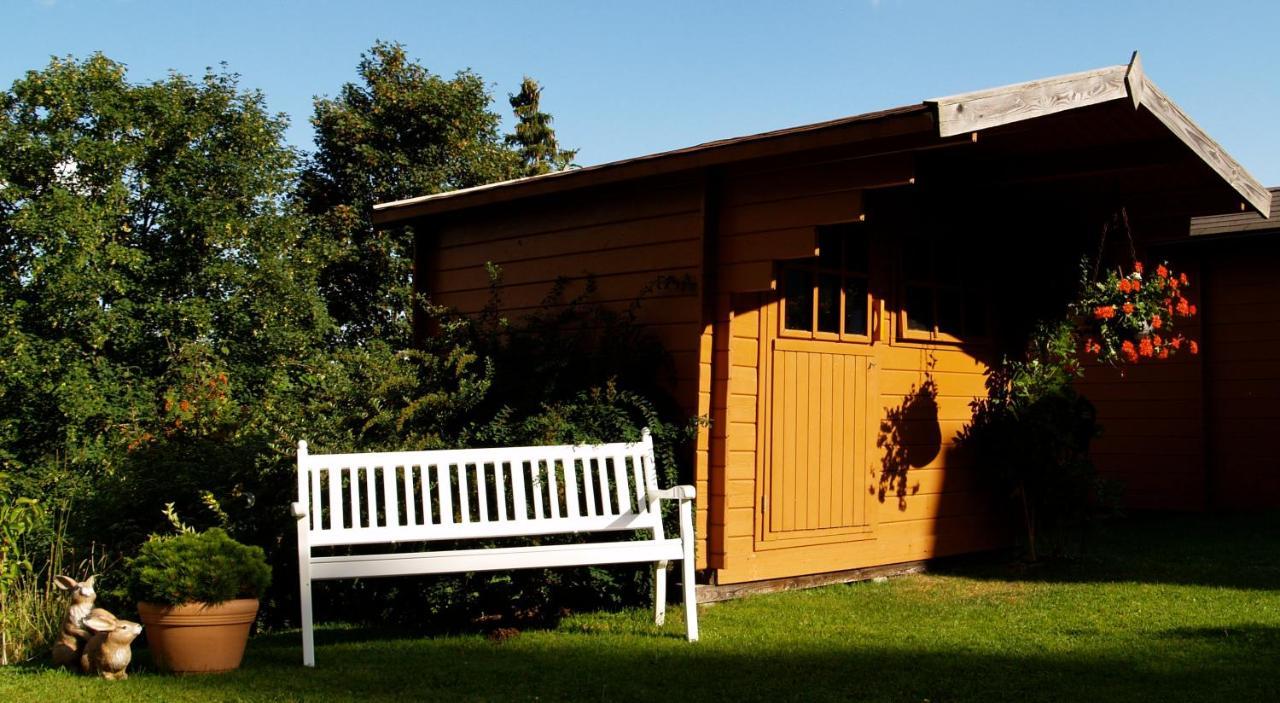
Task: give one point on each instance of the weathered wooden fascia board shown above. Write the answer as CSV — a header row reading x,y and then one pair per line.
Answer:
x,y
983,109
971,112
1209,151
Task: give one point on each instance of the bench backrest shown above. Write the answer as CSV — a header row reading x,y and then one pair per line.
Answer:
x,y
477,493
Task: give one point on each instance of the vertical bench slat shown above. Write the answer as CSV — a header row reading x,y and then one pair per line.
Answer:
x,y
606,503
536,490
589,487
370,498
335,499
570,484
390,497
638,483
518,498
620,483
315,499
500,490
464,494
482,493
353,494
410,510
446,490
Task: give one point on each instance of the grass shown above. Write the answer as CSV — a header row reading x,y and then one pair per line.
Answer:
x,y
1166,609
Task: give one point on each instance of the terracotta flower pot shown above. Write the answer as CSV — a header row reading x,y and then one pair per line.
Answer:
x,y
198,638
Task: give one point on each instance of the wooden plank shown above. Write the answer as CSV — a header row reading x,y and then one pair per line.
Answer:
x,y
1209,151
983,109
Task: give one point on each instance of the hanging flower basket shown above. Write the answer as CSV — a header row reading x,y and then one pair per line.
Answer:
x,y
1129,319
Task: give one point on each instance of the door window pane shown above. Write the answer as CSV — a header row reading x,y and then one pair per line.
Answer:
x,y
828,303
798,289
855,306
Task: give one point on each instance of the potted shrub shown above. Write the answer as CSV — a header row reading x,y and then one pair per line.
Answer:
x,y
198,594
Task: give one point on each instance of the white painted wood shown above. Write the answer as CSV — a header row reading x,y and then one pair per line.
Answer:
x,y
625,473
410,509
306,487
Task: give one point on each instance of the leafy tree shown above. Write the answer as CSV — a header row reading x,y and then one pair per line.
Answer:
x,y
534,138
401,132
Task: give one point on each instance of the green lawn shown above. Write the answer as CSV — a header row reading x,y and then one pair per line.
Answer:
x,y
1169,608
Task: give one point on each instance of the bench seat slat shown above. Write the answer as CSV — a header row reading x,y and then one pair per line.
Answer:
x,y
484,530
462,560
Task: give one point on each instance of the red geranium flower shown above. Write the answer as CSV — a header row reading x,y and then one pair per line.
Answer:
x,y
1128,308
1137,266
1144,347
1156,322
1127,350
1162,271
1125,286
1182,278
1184,308
1195,348
1193,311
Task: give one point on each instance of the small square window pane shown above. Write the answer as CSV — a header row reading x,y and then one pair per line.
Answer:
x,y
950,311
798,288
829,244
828,303
920,308
855,306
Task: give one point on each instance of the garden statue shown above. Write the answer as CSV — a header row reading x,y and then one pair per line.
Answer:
x,y
73,635
108,652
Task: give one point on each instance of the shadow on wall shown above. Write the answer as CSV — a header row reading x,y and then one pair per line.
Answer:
x,y
910,437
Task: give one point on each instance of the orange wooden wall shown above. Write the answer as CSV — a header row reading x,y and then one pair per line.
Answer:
x,y
642,235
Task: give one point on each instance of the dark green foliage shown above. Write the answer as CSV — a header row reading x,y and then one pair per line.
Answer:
x,y
199,567
1031,435
534,137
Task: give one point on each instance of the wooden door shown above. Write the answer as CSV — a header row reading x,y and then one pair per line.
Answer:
x,y
817,387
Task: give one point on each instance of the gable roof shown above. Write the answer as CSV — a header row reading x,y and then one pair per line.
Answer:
x,y
947,118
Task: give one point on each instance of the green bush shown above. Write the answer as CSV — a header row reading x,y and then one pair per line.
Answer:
x,y
205,567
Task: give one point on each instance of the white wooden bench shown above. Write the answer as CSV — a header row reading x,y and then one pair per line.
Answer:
x,y
480,494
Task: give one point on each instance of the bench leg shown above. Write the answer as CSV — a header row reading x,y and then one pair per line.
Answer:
x,y
308,634
687,564
659,592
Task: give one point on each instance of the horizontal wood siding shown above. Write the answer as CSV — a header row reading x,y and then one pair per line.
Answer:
x,y
1242,350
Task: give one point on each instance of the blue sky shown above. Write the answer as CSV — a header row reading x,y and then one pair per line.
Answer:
x,y
624,79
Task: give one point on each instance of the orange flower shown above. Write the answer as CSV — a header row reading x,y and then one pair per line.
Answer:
x,y
1137,266
1156,340
1193,311
1135,284
1128,308
1144,347
1162,271
1156,322
1164,354
1182,278
1104,312
184,405
1177,342
1184,308
1195,348
1130,354
1124,286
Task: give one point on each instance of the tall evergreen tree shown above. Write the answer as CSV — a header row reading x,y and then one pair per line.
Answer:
x,y
535,139
401,131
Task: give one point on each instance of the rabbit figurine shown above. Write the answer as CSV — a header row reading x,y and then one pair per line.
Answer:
x,y
108,652
73,635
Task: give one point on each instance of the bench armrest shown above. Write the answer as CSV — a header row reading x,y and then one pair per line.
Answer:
x,y
299,510
674,493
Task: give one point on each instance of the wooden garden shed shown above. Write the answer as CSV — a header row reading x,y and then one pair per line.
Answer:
x,y
832,293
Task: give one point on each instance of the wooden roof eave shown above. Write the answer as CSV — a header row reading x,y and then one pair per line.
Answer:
x,y
912,122
994,107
